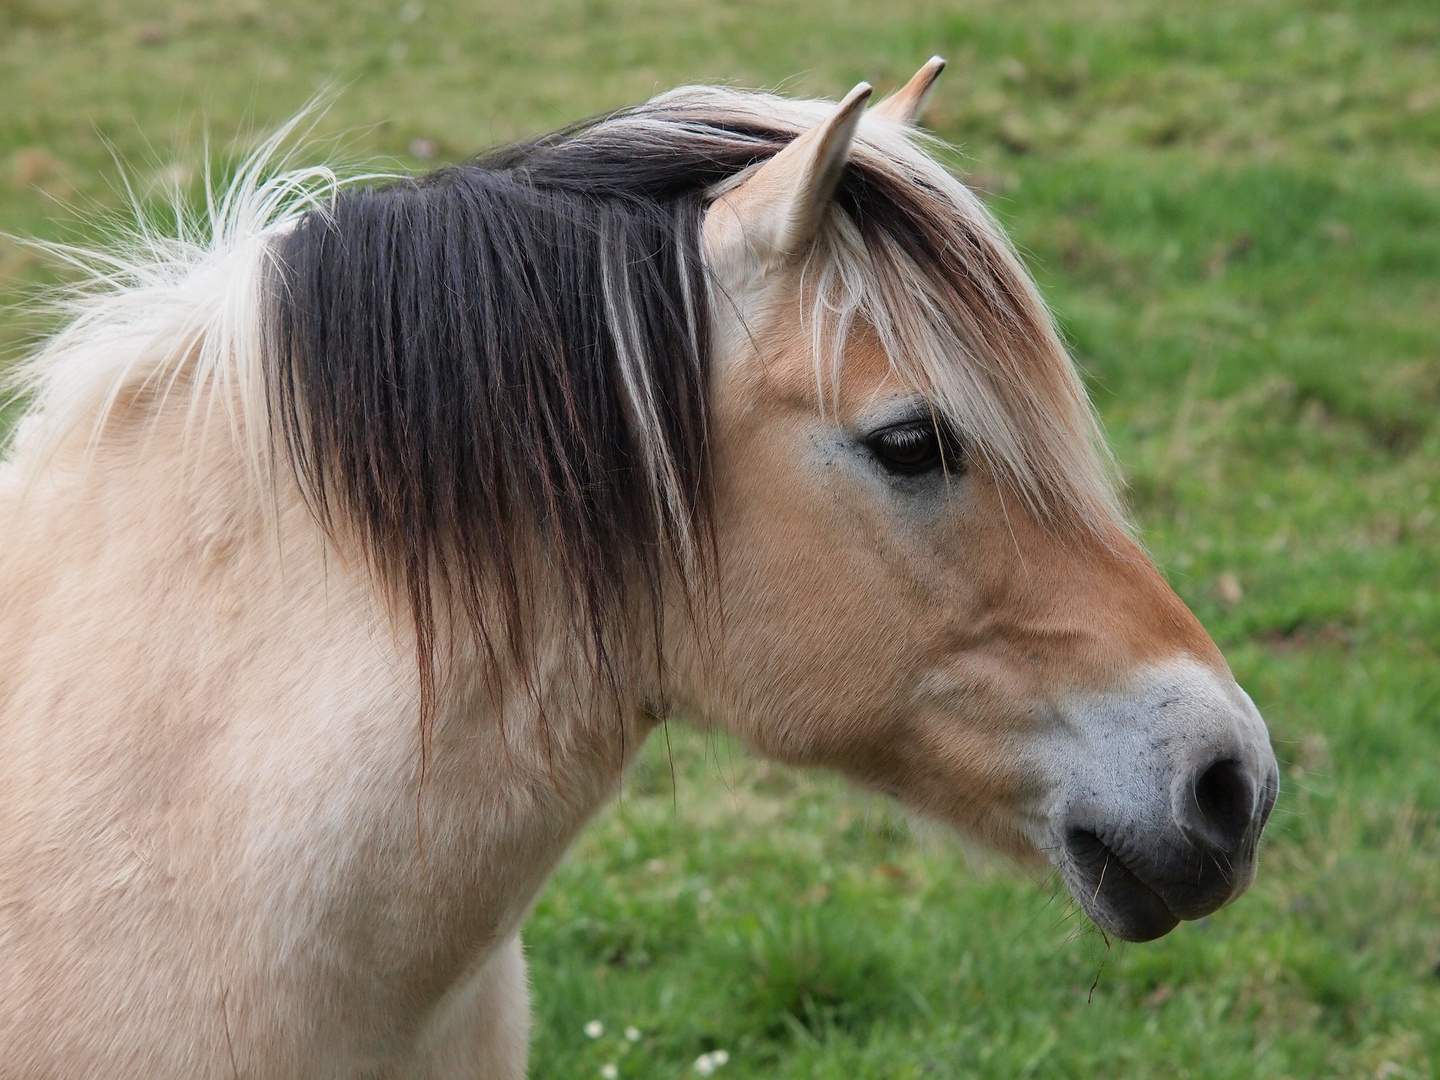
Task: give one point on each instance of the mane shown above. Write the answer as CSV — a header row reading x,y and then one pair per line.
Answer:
x,y
512,355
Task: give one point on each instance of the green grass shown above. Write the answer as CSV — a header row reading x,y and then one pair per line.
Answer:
x,y
1235,208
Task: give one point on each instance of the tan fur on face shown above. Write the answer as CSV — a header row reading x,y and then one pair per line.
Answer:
x,y
916,653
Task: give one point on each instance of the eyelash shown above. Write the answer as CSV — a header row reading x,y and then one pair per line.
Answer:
x,y
916,447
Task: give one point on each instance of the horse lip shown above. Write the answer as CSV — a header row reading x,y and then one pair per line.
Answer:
x,y
1118,899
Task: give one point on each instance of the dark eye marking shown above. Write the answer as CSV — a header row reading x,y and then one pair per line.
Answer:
x,y
914,447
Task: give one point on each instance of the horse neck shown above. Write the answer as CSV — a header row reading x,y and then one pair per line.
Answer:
x,y
217,641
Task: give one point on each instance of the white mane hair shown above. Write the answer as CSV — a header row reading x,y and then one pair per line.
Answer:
x,y
262,312
150,309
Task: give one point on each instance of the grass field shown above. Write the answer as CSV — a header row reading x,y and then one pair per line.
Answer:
x,y
1235,209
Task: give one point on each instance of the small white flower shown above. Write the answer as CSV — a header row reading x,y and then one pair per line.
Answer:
x,y
594,1029
609,1071
706,1064
706,896
632,1033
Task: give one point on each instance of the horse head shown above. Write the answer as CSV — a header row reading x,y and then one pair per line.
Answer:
x,y
926,583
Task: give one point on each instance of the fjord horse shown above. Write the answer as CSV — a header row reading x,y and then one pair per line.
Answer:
x,y
352,546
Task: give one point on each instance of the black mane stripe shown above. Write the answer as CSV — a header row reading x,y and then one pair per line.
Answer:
x,y
512,347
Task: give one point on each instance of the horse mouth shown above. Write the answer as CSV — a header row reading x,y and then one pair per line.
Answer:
x,y
1112,894
1138,879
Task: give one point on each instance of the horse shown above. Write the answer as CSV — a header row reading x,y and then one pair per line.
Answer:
x,y
355,538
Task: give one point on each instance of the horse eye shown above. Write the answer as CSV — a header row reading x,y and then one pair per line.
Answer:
x,y
914,447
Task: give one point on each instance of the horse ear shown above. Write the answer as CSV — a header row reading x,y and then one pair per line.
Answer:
x,y
778,209
907,104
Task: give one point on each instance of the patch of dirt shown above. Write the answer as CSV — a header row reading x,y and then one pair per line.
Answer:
x,y
1305,636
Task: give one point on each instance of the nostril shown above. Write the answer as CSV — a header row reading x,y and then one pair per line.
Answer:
x,y
1224,802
